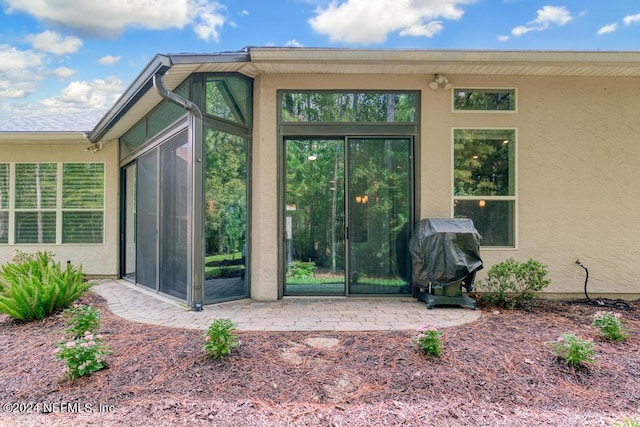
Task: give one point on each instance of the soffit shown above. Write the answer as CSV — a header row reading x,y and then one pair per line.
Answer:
x,y
494,63
44,136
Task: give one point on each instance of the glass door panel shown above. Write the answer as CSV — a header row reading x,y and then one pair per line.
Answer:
x,y
175,188
379,194
314,214
147,220
129,244
226,216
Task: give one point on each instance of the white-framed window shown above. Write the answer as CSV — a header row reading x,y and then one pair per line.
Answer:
x,y
52,203
5,185
475,100
484,183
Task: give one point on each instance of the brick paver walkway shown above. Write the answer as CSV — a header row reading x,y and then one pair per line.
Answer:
x,y
290,314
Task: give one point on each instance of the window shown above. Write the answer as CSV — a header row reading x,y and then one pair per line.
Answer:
x,y
35,205
484,100
4,202
82,202
484,182
340,107
52,203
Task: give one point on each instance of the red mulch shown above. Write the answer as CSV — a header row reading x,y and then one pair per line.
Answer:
x,y
497,371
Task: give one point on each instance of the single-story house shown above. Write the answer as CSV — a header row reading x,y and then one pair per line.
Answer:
x,y
274,172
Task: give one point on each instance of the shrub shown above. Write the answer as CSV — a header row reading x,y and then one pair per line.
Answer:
x,y
628,423
81,319
220,338
302,270
428,339
35,286
83,356
514,284
573,350
610,325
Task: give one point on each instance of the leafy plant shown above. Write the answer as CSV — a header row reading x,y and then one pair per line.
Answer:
x,y
428,339
514,284
574,351
220,338
34,286
83,355
81,319
610,325
302,270
628,423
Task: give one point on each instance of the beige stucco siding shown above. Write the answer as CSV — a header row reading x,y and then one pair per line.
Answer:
x,y
576,171
577,138
101,259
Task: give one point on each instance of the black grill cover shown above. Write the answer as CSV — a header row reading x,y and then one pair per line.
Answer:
x,y
444,250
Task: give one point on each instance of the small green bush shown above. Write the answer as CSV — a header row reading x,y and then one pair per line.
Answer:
x,y
83,355
35,286
81,319
428,339
574,351
628,423
610,325
514,284
220,338
302,270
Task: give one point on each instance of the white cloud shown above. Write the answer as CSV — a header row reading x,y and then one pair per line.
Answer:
x,y
503,38
429,29
546,17
52,42
244,12
610,28
20,71
630,19
110,18
16,89
83,95
109,60
293,43
12,59
371,21
205,17
63,72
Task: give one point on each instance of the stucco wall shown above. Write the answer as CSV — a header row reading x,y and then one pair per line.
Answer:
x,y
577,141
576,189
101,259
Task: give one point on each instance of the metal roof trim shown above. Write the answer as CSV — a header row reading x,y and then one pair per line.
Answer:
x,y
160,64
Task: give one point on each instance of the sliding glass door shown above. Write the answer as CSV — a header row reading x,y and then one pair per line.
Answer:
x,y
347,215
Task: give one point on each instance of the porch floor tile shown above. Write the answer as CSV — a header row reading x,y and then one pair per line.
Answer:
x,y
290,314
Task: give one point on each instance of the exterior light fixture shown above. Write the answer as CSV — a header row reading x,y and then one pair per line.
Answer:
x,y
441,80
482,203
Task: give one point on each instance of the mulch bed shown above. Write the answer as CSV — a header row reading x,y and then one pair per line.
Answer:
x,y
496,371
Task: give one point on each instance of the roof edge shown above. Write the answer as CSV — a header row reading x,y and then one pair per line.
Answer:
x,y
141,84
288,54
160,64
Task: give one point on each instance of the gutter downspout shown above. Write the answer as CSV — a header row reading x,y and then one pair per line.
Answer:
x,y
195,257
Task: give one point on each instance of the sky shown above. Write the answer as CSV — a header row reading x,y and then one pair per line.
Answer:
x,y
59,56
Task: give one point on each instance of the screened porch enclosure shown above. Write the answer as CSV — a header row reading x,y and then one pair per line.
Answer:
x,y
181,238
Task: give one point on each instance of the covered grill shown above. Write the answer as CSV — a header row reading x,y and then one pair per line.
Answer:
x,y
445,255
